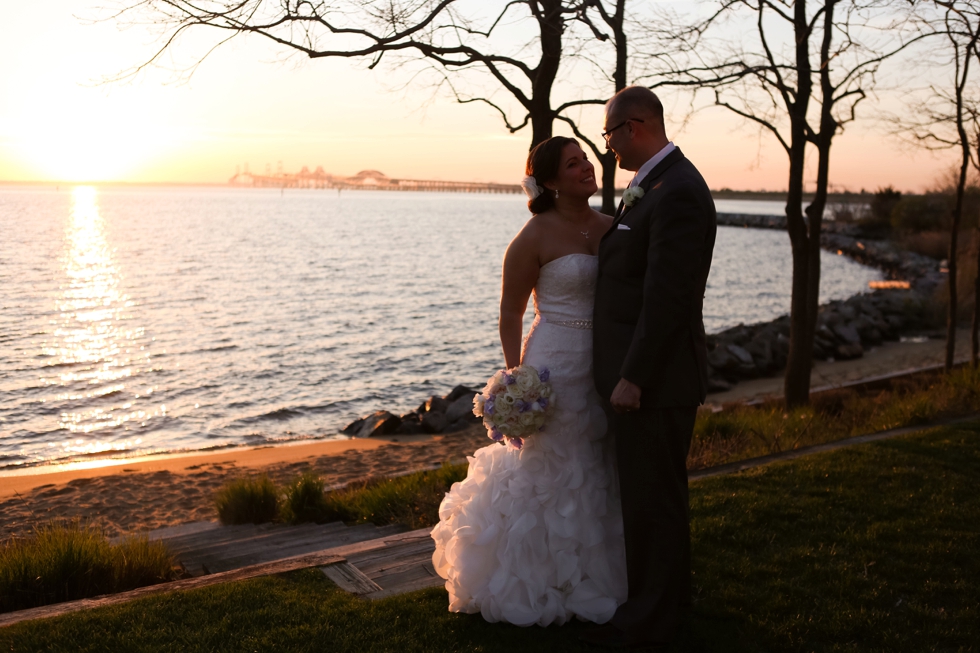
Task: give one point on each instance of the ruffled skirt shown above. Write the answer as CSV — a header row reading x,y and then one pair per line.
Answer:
x,y
535,536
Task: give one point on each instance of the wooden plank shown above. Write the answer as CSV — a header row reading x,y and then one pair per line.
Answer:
x,y
180,530
319,559
421,583
258,534
379,543
383,557
224,534
404,574
230,557
397,565
350,579
272,540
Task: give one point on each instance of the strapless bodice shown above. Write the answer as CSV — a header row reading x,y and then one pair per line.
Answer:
x,y
566,288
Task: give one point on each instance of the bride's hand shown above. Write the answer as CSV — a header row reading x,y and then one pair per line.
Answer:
x,y
625,397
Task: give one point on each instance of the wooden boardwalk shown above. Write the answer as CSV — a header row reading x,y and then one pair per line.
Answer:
x,y
378,561
366,560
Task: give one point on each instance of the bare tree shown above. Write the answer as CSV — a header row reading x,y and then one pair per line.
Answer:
x,y
799,71
454,36
939,120
608,26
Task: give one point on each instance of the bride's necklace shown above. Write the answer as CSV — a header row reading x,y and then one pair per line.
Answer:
x,y
584,233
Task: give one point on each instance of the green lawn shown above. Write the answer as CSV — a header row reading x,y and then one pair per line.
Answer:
x,y
870,548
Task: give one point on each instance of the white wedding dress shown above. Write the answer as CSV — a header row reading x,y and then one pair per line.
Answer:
x,y
535,536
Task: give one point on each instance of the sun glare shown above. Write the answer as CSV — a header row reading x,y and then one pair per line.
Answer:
x,y
93,338
93,138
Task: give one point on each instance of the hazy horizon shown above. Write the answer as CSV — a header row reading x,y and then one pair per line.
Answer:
x,y
249,103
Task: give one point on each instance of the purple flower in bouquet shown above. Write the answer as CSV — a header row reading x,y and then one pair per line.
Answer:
x,y
517,443
508,379
543,402
488,406
522,406
496,435
544,375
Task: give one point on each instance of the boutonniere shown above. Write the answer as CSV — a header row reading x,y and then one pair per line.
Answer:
x,y
631,195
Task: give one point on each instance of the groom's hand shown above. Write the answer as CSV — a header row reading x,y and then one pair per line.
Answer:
x,y
625,397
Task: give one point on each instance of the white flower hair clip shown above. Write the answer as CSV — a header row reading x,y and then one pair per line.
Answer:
x,y
531,188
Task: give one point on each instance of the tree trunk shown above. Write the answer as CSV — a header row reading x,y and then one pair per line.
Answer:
x,y
975,326
609,166
550,24
952,317
608,160
800,359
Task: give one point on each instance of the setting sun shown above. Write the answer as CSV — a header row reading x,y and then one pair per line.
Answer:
x,y
72,135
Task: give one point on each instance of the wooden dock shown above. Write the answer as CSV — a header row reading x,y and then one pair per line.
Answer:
x,y
372,562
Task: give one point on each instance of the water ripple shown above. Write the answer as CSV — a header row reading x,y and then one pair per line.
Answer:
x,y
146,320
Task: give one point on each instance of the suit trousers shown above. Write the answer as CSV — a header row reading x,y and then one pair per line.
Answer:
x,y
651,450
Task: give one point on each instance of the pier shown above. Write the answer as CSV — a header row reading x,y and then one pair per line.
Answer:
x,y
364,180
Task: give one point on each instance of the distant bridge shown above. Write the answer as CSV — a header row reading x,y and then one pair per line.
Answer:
x,y
364,180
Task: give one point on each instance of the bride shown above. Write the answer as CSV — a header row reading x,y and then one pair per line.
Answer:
x,y
535,536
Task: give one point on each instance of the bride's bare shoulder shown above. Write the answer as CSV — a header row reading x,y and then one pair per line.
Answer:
x,y
527,243
606,220
535,229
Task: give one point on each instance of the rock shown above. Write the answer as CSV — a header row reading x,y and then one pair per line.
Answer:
x,y
458,392
743,356
354,427
459,425
848,333
721,360
461,407
434,422
411,424
780,351
718,384
436,405
761,352
848,352
831,318
895,322
380,423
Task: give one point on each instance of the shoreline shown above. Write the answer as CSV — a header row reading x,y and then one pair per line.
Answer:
x,y
742,359
170,490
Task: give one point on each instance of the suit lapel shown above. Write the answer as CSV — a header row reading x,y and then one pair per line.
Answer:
x,y
646,184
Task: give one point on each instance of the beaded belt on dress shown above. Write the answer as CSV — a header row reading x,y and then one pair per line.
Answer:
x,y
572,324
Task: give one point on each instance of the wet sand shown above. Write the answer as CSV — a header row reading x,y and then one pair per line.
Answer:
x,y
135,495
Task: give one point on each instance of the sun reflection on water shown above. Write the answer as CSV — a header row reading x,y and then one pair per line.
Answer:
x,y
97,348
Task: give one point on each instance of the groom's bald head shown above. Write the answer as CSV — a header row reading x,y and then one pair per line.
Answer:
x,y
637,102
634,126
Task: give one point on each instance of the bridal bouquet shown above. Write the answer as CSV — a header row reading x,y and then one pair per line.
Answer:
x,y
515,403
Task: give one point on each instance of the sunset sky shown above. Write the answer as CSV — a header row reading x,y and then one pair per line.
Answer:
x,y
249,104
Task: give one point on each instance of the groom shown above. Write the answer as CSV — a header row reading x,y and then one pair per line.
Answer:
x,y
650,360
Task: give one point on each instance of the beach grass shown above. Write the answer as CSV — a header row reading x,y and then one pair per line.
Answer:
x,y
740,431
68,560
870,548
303,500
411,500
248,500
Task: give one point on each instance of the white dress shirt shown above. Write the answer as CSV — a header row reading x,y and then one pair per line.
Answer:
x,y
651,164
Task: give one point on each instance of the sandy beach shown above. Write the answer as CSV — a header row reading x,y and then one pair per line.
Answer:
x,y
135,495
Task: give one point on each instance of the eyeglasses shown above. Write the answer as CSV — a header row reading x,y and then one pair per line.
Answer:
x,y
606,134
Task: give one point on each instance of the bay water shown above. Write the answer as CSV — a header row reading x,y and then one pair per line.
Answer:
x,y
141,320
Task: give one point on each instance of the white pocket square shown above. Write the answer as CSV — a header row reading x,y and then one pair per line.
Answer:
x,y
623,226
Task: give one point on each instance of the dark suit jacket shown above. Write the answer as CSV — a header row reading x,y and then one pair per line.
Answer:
x,y
648,326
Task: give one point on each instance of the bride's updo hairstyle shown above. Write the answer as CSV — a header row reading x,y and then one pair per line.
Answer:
x,y
542,164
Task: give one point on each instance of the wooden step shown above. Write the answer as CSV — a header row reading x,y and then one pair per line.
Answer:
x,y
223,534
233,555
270,537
